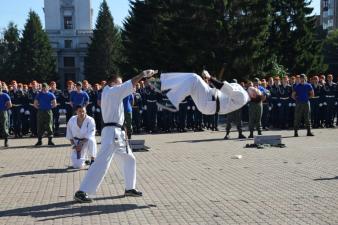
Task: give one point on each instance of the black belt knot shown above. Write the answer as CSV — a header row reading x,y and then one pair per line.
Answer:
x,y
113,125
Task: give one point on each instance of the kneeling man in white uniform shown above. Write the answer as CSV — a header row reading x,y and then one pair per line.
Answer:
x,y
81,134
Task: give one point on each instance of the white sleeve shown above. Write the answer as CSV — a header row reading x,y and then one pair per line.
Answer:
x,y
123,90
236,93
69,134
91,129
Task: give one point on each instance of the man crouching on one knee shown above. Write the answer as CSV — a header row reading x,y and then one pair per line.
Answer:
x,y
81,134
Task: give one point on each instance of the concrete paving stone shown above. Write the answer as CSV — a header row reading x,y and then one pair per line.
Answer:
x,y
186,178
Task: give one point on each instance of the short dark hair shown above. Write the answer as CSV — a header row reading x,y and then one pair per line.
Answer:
x,y
79,107
113,78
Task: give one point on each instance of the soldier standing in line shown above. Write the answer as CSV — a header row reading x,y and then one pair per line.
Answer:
x,y
190,113
17,101
182,116
137,109
266,106
330,95
336,104
25,112
151,106
66,97
274,91
32,110
56,113
44,102
285,91
96,109
86,88
198,117
315,102
302,92
257,94
292,103
5,104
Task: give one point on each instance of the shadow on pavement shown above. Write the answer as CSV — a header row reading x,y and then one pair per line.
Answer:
x,y
36,147
197,141
37,172
332,178
69,209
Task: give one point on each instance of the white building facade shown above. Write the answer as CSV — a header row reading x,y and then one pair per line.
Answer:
x,y
68,24
329,14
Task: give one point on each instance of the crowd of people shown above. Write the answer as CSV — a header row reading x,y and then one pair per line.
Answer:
x,y
149,110
175,102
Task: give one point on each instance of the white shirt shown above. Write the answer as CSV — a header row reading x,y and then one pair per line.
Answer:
x,y
87,129
112,102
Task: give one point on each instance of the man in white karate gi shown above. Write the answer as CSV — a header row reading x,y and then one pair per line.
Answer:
x,y
224,98
113,139
81,134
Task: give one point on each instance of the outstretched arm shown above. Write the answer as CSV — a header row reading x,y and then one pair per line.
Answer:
x,y
144,74
218,84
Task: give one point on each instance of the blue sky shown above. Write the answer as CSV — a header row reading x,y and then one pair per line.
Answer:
x,y
17,10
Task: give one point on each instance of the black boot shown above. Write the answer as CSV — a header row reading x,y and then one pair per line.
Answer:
x,y
50,142
227,135
309,133
39,143
251,134
240,135
6,142
296,133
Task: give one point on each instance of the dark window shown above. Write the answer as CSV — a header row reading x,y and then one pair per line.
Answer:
x,y
68,43
69,62
325,5
68,22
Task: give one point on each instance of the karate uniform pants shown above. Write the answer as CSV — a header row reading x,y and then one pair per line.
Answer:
x,y
113,144
181,85
89,149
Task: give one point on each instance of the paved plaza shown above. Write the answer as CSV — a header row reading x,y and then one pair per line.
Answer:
x,y
187,178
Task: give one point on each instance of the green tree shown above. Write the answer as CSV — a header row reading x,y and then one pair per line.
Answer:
x,y
140,30
331,51
9,52
36,59
293,38
104,53
247,25
174,35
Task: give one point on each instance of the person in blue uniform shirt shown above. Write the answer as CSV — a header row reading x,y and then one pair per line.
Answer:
x,y
44,102
302,92
5,104
78,97
128,114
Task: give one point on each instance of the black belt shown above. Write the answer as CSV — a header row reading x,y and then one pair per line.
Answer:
x,y
79,139
113,125
119,126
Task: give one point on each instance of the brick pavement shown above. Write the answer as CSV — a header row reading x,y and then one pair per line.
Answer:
x,y
186,178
